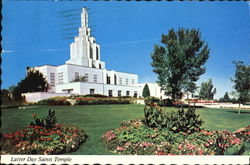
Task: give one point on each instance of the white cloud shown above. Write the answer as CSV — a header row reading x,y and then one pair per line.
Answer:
x,y
129,42
52,50
7,51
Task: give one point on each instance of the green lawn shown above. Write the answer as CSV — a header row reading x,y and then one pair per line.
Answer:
x,y
97,119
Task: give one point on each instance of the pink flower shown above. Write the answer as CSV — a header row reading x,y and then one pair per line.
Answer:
x,y
206,145
118,148
180,147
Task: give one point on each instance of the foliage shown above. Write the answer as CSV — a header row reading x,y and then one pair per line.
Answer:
x,y
80,79
48,122
6,97
96,95
241,80
225,98
146,91
90,101
152,100
242,149
33,82
179,121
133,137
179,62
207,91
54,101
38,140
154,116
184,121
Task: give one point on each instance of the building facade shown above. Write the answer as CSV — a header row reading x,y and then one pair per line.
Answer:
x,y
85,62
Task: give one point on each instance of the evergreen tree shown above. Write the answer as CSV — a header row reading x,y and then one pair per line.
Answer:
x,y
241,80
179,61
207,91
225,98
146,91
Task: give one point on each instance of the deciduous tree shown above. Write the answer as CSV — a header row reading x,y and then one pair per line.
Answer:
x,y
179,61
207,90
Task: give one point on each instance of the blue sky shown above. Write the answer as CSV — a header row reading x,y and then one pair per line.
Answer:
x,y
38,33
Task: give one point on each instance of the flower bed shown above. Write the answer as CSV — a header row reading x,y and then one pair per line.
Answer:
x,y
133,137
43,136
38,140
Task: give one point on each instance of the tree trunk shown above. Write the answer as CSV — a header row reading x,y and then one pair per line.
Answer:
x,y
239,109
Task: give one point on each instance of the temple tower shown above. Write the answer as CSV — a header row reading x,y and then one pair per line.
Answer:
x,y
84,50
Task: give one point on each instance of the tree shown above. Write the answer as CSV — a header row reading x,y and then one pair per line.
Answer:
x,y
179,61
241,81
225,98
80,79
207,91
33,82
146,91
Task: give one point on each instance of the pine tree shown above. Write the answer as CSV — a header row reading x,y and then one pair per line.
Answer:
x,y
179,61
146,91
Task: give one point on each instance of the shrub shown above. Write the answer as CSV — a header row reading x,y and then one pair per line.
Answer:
x,y
96,95
152,100
154,116
48,122
54,101
179,121
184,121
100,101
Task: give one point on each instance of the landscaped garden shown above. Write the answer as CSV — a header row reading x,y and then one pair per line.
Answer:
x,y
100,120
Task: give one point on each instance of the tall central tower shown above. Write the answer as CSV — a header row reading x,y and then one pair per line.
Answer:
x,y
84,50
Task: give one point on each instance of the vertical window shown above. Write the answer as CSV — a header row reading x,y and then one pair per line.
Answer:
x,y
92,91
108,80
127,93
90,52
97,53
135,94
120,81
119,93
115,79
52,79
86,75
100,66
60,78
133,81
110,93
76,75
95,78
126,81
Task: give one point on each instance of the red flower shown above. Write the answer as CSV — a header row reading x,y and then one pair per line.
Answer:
x,y
58,132
38,127
74,135
161,153
49,138
206,145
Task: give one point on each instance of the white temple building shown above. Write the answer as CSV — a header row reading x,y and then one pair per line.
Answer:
x,y
85,61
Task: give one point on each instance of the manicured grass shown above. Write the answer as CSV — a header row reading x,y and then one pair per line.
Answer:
x,y
97,119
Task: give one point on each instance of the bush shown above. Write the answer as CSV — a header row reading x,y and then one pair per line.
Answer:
x,y
100,101
152,100
96,95
179,121
54,101
184,121
167,102
48,122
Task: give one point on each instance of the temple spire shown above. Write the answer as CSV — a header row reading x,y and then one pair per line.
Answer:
x,y
84,17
